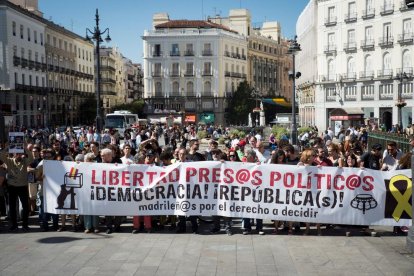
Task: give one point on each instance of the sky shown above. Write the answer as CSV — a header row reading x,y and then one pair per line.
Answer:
x,y
127,19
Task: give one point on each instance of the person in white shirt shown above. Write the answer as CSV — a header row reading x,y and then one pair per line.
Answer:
x,y
390,161
127,158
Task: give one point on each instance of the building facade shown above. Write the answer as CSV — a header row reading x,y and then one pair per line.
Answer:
x,y
365,63
191,68
40,82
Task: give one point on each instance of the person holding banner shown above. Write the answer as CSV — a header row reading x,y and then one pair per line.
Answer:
x,y
17,186
90,222
251,157
308,158
182,157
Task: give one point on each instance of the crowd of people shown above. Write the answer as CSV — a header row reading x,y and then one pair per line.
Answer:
x,y
21,174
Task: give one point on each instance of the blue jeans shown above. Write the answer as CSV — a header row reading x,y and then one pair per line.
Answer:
x,y
248,226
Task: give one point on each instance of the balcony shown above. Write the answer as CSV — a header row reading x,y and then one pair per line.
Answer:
x,y
207,53
190,94
227,74
108,80
327,78
207,74
406,38
229,94
16,61
350,47
107,68
227,54
24,62
387,9
366,75
189,53
207,94
157,54
386,41
175,94
56,69
50,67
175,74
330,49
330,21
368,14
174,53
384,74
44,67
367,95
108,93
31,64
367,44
351,76
37,66
156,74
331,98
408,71
189,74
350,97
351,17
243,57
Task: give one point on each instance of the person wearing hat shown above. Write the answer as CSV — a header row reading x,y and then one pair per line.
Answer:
x,y
371,160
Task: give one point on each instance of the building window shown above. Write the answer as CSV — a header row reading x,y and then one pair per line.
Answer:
x,y
35,36
21,31
29,54
17,103
14,28
207,69
28,34
41,39
189,69
190,88
16,78
175,50
207,88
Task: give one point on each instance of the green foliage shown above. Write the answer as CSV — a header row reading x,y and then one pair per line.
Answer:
x,y
240,105
279,131
303,130
201,134
136,107
238,133
221,140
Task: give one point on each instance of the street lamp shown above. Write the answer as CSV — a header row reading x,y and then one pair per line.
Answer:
x,y
294,47
96,36
256,94
401,103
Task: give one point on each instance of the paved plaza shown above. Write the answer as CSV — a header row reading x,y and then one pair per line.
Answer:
x,y
167,253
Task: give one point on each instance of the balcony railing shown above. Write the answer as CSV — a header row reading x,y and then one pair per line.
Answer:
x,y
108,80
189,53
227,54
207,53
156,74
327,78
350,47
189,74
227,74
366,74
406,38
243,57
368,14
207,73
385,73
108,67
31,64
351,17
16,61
349,76
386,41
108,93
350,96
157,54
330,21
175,74
368,44
367,95
408,71
330,49
174,53
387,9
207,94
24,62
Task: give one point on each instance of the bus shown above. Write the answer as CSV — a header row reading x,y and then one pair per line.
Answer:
x,y
120,120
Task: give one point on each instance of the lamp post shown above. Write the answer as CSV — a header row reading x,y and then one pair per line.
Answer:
x,y
256,94
293,49
96,36
401,103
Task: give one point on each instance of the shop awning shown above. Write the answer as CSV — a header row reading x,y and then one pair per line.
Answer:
x,y
277,101
349,113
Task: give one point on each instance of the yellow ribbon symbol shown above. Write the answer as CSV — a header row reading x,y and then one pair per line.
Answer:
x,y
403,203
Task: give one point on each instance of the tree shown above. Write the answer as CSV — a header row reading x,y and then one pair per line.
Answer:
x,y
240,105
136,107
88,110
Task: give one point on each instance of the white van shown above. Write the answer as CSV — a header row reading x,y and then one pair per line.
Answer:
x,y
121,120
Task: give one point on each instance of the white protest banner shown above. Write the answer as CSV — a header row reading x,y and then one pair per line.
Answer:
x,y
279,192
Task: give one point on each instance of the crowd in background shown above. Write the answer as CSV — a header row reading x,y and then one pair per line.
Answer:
x,y
21,175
